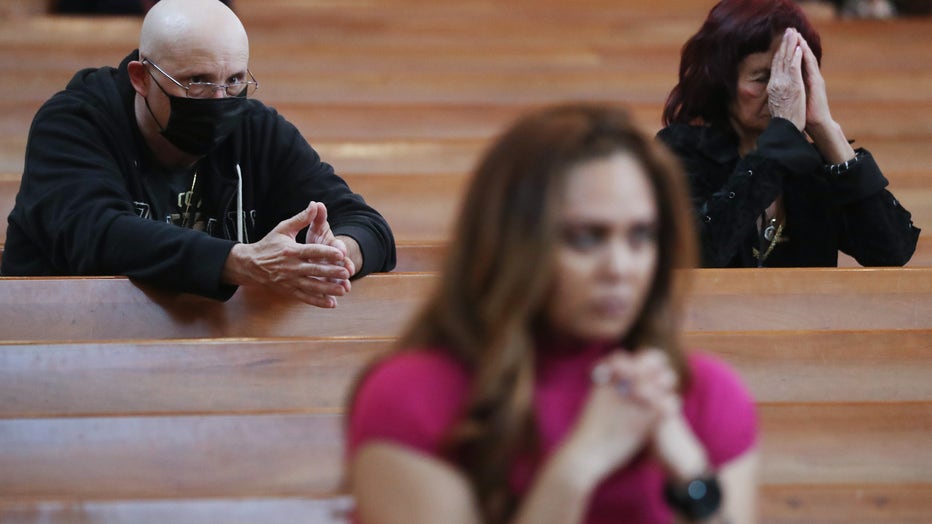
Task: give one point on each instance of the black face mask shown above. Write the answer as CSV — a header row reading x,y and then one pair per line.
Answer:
x,y
197,125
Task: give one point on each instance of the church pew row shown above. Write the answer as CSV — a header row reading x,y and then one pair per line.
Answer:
x,y
790,504
300,455
413,257
599,33
904,159
51,46
332,509
843,416
510,86
245,376
114,308
428,256
421,207
359,123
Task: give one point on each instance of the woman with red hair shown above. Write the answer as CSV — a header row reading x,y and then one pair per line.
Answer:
x,y
774,179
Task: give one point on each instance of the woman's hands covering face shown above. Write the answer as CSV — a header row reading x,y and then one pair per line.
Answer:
x,y
799,98
786,91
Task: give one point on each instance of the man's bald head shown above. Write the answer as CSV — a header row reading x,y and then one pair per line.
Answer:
x,y
175,31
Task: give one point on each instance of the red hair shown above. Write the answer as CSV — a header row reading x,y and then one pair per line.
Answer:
x,y
709,60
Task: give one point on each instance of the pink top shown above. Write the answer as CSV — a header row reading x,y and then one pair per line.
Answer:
x,y
415,397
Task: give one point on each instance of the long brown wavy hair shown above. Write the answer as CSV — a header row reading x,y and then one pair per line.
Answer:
x,y
487,308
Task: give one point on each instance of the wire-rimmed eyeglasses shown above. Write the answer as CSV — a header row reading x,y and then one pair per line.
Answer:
x,y
207,89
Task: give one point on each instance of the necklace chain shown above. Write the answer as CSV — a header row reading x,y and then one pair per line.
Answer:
x,y
188,204
773,233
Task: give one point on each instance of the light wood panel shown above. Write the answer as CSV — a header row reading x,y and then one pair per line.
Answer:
x,y
301,454
827,366
848,503
108,308
422,207
200,376
843,443
415,257
113,308
237,376
797,504
269,510
171,457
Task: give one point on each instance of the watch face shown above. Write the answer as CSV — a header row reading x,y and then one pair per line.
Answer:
x,y
697,500
697,489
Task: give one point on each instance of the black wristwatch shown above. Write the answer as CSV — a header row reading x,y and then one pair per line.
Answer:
x,y
696,500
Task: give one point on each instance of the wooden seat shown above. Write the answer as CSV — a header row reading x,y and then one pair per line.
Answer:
x,y
267,510
164,427
419,257
421,208
252,428
114,308
236,376
231,376
800,503
299,454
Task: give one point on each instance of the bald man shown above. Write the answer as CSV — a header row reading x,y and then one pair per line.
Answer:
x,y
167,170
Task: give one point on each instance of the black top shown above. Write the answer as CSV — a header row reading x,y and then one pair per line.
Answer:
x,y
90,201
851,212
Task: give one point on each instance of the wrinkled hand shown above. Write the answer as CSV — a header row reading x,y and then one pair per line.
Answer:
x,y
785,90
630,395
818,114
316,273
827,135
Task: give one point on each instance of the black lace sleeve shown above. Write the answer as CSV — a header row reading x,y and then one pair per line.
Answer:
x,y
875,229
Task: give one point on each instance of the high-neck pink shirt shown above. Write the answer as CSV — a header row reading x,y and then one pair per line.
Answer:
x,y
415,397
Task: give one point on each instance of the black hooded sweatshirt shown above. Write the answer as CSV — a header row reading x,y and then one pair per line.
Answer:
x,y
89,201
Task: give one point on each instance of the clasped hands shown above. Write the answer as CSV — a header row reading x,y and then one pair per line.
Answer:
x,y
634,404
798,97
803,100
315,272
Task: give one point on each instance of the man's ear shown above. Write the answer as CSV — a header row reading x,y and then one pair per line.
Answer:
x,y
137,76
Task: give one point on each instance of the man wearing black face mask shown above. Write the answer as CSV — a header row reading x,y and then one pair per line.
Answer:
x,y
165,169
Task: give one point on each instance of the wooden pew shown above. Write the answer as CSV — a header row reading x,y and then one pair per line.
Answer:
x,y
825,397
349,133
441,131
421,208
794,491
250,429
314,375
862,504
298,455
797,504
267,510
415,256
418,257
233,376
114,308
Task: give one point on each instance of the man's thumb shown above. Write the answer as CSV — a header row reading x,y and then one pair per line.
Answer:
x,y
295,224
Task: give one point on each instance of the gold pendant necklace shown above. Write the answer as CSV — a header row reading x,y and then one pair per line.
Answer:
x,y
188,203
771,234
